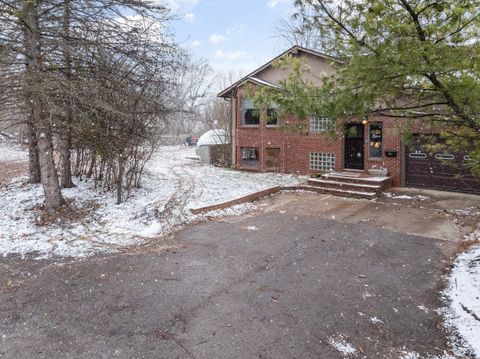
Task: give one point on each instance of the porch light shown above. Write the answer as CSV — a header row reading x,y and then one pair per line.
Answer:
x,y
364,122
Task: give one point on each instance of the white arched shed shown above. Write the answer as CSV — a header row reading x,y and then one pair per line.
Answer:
x,y
208,139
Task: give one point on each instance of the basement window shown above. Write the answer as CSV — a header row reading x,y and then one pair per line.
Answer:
x,y
322,161
272,158
251,114
249,157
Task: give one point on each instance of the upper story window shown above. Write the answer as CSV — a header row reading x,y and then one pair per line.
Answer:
x,y
319,124
250,114
272,116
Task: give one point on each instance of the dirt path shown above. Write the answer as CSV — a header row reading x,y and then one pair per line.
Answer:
x,y
184,191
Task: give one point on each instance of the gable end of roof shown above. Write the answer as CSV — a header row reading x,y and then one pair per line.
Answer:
x,y
251,76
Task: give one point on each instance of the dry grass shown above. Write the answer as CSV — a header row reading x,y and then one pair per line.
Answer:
x,y
11,170
70,212
464,246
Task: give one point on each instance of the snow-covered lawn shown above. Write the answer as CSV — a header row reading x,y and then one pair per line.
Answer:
x,y
463,296
173,184
10,151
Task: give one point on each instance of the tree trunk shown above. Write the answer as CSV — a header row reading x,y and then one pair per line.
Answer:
x,y
65,156
34,93
121,170
33,161
66,133
51,188
91,166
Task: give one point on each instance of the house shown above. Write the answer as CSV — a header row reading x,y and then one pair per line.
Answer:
x,y
365,146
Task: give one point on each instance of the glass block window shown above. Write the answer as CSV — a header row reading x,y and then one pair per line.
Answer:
x,y
319,124
322,161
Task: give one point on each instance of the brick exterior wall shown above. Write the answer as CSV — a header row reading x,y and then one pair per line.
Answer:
x,y
295,147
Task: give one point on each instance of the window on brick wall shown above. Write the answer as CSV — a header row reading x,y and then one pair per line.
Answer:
x,y
250,114
249,157
272,115
272,158
375,140
319,124
320,161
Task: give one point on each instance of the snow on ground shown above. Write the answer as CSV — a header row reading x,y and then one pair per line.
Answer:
x,y
466,212
342,346
10,151
463,295
415,355
403,196
173,184
375,320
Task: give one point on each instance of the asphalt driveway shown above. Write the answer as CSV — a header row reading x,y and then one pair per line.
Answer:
x,y
282,282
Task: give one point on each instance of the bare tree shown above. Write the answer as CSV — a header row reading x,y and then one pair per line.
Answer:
x,y
72,62
126,105
34,86
217,113
191,97
66,131
297,31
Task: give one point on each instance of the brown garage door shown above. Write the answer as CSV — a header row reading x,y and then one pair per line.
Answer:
x,y
439,170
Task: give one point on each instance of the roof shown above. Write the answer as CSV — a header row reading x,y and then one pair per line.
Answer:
x,y
251,76
213,137
262,82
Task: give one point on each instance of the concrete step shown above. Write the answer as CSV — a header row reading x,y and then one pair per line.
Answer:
x,y
382,181
346,186
339,192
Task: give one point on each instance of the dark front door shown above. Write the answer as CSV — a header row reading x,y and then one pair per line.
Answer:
x,y
354,146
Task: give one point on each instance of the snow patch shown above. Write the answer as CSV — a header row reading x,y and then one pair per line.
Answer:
x,y
415,355
366,295
463,295
418,197
422,307
342,346
375,320
10,151
466,212
474,236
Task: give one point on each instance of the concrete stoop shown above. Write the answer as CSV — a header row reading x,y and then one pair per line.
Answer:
x,y
348,184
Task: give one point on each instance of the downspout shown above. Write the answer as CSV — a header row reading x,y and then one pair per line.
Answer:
x,y
233,127
230,130
262,140
233,155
